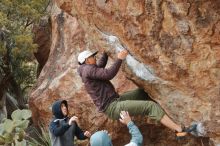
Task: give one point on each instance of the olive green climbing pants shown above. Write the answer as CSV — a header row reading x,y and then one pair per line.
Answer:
x,y
136,102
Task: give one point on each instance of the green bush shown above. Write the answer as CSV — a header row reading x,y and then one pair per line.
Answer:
x,y
42,137
12,131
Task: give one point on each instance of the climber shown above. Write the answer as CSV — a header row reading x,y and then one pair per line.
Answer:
x,y
63,129
96,79
101,138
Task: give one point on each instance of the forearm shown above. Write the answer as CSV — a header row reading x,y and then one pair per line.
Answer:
x,y
59,131
82,137
103,60
135,133
79,133
105,74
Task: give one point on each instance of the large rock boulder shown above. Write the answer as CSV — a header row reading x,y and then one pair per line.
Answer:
x,y
59,78
174,55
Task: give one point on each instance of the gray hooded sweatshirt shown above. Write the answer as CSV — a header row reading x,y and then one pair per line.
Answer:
x,y
61,133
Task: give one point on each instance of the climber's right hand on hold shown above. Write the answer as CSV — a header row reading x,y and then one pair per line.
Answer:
x,y
123,54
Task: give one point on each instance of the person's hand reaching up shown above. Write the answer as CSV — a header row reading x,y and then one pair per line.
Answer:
x,y
125,117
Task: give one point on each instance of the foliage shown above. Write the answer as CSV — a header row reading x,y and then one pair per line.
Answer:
x,y
43,138
16,42
12,131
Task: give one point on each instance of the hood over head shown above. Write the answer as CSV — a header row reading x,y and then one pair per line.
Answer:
x,y
56,108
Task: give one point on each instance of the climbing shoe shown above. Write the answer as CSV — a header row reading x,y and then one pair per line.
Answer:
x,y
185,131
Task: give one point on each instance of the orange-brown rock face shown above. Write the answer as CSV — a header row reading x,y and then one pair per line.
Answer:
x,y
174,55
59,78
